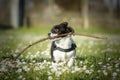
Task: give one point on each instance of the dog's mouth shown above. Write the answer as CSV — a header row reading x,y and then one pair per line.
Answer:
x,y
52,34
55,35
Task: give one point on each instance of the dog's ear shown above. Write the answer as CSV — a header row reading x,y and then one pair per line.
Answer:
x,y
70,29
65,24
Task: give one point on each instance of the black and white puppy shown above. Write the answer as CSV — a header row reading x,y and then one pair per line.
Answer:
x,y
63,49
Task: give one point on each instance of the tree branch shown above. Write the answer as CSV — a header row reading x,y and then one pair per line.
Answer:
x,y
44,39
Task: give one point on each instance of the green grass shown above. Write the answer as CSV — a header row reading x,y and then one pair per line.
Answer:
x,y
95,59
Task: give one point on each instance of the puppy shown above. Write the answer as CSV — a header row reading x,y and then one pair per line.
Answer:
x,y
63,49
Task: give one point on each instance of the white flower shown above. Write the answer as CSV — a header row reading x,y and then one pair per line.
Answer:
x,y
49,73
92,66
23,62
3,69
104,66
114,74
97,77
46,52
77,69
100,63
31,56
48,63
58,73
29,53
117,65
84,67
36,68
25,68
19,70
14,55
91,70
65,69
73,71
61,63
99,71
108,64
119,59
20,77
11,65
87,72
91,42
27,56
50,78
118,70
109,67
37,78
109,58
33,61
23,79
44,61
37,53
81,62
105,73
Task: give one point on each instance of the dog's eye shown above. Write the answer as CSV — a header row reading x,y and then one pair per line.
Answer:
x,y
56,30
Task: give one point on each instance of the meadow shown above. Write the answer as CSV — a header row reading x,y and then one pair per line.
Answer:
x,y
96,59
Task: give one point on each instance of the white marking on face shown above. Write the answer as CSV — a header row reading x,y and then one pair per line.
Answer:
x,y
52,35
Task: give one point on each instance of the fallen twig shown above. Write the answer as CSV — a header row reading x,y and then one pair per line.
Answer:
x,y
44,39
41,40
91,36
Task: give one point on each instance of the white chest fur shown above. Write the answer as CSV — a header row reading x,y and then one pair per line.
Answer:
x,y
60,56
64,43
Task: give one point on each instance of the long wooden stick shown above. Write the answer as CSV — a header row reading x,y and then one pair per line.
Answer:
x,y
41,40
44,39
91,36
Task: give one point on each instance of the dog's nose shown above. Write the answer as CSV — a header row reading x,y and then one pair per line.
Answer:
x,y
49,34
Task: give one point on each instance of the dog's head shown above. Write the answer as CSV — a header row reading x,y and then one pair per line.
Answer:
x,y
61,28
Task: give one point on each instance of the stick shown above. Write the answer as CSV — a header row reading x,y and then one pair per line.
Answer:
x,y
41,40
89,36
44,39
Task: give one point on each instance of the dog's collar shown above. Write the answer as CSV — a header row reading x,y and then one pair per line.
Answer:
x,y
73,46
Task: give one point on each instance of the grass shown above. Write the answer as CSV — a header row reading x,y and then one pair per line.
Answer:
x,y
95,59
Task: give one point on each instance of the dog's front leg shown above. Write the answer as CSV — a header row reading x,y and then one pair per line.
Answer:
x,y
53,46
71,62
